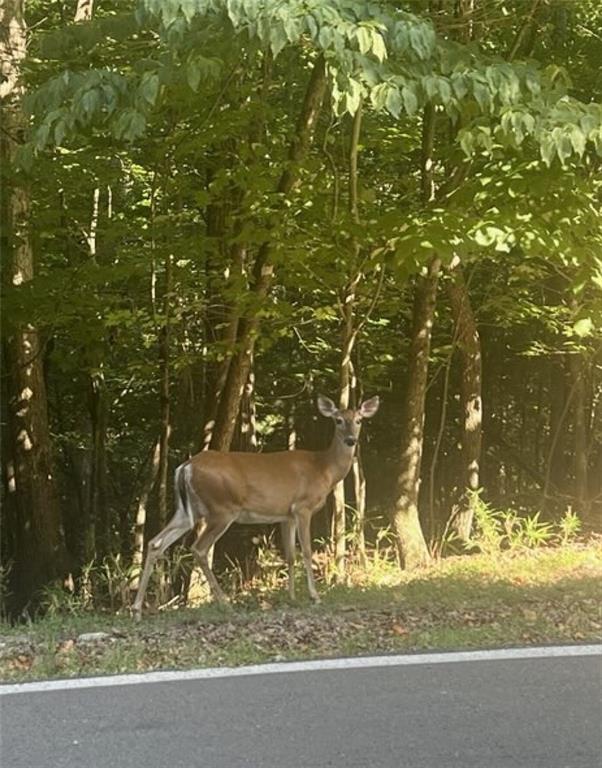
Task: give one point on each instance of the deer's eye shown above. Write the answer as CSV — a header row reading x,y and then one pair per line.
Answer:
x,y
339,420
359,420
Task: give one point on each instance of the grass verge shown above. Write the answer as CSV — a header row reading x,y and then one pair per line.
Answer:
x,y
513,598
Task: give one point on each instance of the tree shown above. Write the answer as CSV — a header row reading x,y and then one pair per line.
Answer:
x,y
40,552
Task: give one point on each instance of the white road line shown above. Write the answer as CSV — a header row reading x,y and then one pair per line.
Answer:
x,y
360,662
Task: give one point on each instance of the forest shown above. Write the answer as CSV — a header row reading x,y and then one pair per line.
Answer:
x,y
214,211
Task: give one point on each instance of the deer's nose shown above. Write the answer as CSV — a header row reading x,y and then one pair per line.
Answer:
x,y
350,441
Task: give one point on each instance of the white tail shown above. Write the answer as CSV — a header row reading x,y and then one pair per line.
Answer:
x,y
214,490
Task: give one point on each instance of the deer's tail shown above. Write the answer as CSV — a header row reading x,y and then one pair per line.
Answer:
x,y
183,505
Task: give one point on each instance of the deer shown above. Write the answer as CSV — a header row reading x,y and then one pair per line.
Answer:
x,y
215,489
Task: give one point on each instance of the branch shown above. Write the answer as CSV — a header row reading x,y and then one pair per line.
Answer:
x,y
522,33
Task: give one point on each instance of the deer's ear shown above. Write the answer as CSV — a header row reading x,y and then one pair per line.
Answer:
x,y
326,406
369,407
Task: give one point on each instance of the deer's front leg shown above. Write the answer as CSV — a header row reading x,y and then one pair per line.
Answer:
x,y
304,534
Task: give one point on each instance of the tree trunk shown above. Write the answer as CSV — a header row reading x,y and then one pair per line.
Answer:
x,y
98,533
556,465
138,549
247,437
348,336
469,344
359,488
221,320
164,398
96,529
248,327
40,554
578,375
411,545
84,10
405,520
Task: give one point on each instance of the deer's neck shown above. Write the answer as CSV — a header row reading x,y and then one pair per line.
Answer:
x,y
340,458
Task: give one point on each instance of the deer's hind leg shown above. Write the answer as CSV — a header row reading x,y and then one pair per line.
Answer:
x,y
179,524
213,530
289,530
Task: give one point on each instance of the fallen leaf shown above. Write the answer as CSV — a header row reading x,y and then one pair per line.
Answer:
x,y
397,629
22,662
66,646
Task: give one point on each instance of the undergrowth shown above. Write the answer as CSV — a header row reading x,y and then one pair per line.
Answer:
x,y
110,586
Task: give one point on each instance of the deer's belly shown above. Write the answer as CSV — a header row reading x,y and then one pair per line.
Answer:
x,y
249,518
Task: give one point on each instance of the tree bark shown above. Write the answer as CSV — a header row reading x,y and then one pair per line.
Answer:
x,y
164,398
84,10
247,437
580,442
138,549
409,537
411,546
98,534
248,326
348,337
40,553
469,345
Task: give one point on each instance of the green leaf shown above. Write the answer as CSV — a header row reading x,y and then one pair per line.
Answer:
x,y
90,101
278,39
394,102
149,87
564,147
311,26
547,149
459,85
410,102
193,74
325,37
583,327
481,94
467,142
578,140
364,39
445,91
378,46
379,95
353,96
60,129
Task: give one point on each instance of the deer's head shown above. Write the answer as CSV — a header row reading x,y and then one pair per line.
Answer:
x,y
348,423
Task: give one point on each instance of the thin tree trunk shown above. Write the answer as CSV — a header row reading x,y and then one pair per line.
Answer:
x,y
138,549
98,535
348,337
221,322
291,432
411,546
338,494
41,554
578,375
84,10
164,396
556,465
96,529
248,416
469,345
248,327
359,488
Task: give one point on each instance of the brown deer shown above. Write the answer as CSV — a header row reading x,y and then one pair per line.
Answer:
x,y
215,489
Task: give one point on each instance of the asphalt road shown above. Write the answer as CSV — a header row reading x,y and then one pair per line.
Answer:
x,y
492,714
